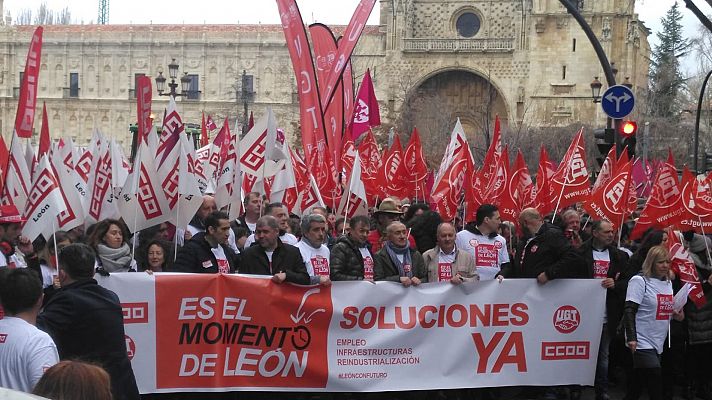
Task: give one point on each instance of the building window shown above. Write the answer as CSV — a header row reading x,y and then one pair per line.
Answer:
x,y
563,73
136,76
193,88
574,46
74,84
468,24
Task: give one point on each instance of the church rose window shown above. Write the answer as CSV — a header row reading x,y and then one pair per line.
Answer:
x,y
468,24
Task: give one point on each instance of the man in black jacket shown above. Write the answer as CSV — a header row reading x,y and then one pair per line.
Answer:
x,y
86,322
351,259
208,252
605,262
269,256
545,253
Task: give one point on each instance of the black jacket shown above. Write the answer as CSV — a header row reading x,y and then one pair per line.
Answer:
x,y
550,252
385,270
346,261
286,258
196,252
615,296
85,321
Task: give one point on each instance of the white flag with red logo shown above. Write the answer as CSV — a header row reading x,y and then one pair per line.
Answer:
x,y
44,203
355,203
309,198
72,187
168,153
285,179
86,159
226,171
252,151
119,167
99,203
458,142
18,182
190,197
141,202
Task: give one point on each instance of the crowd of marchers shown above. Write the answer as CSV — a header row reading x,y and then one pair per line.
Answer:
x,y
62,335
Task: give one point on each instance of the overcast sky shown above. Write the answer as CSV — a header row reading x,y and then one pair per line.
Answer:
x,y
336,12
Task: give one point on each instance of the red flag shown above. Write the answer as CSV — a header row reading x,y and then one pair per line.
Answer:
x,y
394,174
474,193
144,94
570,182
210,124
348,87
684,267
4,158
366,113
696,201
518,191
446,195
494,152
346,47
610,164
324,47
663,207
416,166
27,101
44,133
370,163
348,155
204,140
610,200
544,201
311,116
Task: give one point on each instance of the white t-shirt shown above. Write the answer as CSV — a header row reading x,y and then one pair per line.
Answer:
x,y
655,309
13,262
601,264
367,264
287,238
315,260
48,274
251,226
221,258
445,261
25,354
489,253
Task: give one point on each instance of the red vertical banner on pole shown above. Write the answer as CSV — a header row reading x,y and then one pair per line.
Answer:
x,y
144,95
25,117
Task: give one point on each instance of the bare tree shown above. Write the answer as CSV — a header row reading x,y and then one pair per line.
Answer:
x,y
44,16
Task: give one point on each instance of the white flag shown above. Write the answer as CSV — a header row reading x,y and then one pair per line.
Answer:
x,y
18,182
189,196
44,203
73,190
99,203
355,203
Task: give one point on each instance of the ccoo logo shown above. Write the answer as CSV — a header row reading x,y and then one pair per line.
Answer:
x,y
566,319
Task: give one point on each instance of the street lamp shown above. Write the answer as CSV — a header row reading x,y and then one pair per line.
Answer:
x,y
173,74
596,86
246,94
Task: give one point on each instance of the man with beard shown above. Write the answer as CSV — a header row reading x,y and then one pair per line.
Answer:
x,y
208,252
270,256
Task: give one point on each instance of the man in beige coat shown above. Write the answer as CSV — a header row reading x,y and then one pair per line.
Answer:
x,y
446,262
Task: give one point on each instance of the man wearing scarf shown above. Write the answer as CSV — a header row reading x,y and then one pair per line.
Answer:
x,y
314,252
396,261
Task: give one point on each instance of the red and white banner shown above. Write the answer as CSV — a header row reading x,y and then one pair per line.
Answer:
x,y
356,336
44,203
27,101
144,94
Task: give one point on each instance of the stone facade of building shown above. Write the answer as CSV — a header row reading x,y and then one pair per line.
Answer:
x,y
527,61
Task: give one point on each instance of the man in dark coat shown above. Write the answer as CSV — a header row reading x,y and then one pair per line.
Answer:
x,y
351,259
208,252
397,261
269,256
545,253
86,322
605,262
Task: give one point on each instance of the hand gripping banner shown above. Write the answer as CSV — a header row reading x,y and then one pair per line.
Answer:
x,y
203,332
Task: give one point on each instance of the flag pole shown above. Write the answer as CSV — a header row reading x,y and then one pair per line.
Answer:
x,y
175,242
704,237
346,210
135,192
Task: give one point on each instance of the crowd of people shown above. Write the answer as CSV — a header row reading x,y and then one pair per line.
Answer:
x,y
55,312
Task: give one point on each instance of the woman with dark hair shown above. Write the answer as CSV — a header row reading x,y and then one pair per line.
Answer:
x,y
424,229
109,241
413,211
157,256
652,238
74,380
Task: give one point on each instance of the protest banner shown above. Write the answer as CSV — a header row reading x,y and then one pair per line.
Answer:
x,y
231,332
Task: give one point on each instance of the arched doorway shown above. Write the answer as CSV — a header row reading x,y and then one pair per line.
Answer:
x,y
435,104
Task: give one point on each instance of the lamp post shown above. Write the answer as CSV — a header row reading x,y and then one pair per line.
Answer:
x,y
173,74
596,86
246,94
697,119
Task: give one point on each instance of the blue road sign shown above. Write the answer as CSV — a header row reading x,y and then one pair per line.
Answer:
x,y
618,101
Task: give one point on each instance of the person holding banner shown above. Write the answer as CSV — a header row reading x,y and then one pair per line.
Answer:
x,y
397,261
649,305
270,256
446,263
351,259
545,253
605,262
481,240
109,240
85,320
314,252
208,252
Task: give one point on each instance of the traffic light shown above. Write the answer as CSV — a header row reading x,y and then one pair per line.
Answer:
x,y
605,140
627,130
